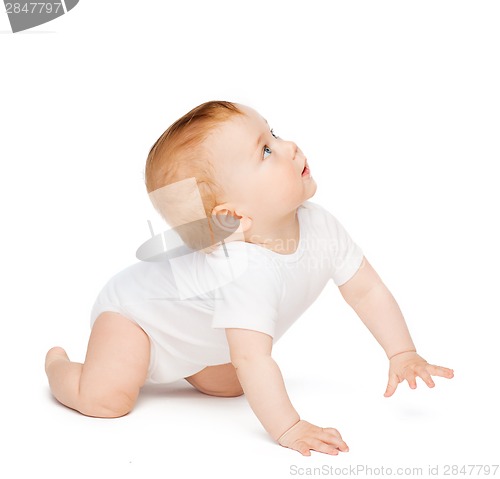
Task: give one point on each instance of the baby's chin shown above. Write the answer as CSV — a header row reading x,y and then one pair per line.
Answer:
x,y
314,189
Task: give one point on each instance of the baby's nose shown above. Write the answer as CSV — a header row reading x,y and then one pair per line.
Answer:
x,y
293,149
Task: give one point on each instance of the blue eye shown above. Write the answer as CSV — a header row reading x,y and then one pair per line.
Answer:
x,y
267,151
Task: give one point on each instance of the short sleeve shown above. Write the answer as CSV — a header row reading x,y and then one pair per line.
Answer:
x,y
347,255
251,300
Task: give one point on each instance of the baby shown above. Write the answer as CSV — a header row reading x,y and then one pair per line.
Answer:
x,y
210,314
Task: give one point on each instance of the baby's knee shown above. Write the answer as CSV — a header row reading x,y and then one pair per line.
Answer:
x,y
106,405
220,380
230,391
219,392
228,387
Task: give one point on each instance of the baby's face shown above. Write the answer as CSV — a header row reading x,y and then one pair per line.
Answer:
x,y
261,174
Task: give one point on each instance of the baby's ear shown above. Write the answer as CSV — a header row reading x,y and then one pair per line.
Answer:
x,y
222,209
244,222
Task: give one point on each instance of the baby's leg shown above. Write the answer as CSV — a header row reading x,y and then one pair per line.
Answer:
x,y
220,380
115,368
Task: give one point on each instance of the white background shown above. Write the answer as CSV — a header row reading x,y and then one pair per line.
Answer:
x,y
395,103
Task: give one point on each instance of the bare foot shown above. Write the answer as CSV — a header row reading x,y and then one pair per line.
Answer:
x,y
54,354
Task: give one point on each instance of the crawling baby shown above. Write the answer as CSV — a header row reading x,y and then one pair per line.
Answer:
x,y
211,313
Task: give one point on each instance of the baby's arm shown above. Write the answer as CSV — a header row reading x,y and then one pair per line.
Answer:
x,y
374,304
262,382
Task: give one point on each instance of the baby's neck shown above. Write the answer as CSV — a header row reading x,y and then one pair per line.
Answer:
x,y
281,237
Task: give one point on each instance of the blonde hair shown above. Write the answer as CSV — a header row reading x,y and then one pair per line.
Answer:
x,y
179,154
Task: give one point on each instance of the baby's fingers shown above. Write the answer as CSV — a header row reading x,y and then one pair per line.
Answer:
x,y
305,446
391,385
304,437
321,446
440,371
426,372
412,379
333,437
426,377
326,443
302,447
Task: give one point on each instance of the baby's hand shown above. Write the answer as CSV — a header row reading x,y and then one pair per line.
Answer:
x,y
304,437
408,366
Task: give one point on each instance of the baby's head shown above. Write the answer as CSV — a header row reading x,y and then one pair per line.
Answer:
x,y
222,158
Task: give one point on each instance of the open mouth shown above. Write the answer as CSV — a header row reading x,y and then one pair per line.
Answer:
x,y
305,171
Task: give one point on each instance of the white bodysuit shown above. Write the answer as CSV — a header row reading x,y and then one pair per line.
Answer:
x,y
185,303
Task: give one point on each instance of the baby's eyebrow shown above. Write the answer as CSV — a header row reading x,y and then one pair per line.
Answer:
x,y
259,139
